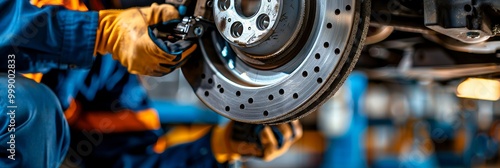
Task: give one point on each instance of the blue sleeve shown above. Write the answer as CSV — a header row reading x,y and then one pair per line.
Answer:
x,y
45,38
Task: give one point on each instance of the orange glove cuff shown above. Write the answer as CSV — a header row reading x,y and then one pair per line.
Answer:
x,y
104,35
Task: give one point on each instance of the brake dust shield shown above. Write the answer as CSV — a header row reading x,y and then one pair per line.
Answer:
x,y
274,61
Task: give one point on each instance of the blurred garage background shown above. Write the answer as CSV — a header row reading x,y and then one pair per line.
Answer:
x,y
374,120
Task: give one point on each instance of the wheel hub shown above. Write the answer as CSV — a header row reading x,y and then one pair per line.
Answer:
x,y
261,31
276,71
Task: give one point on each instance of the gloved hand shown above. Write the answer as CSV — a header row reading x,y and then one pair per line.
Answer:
x,y
128,36
238,139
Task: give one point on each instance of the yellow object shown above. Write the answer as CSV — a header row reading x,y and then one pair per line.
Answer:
x,y
35,76
112,122
477,88
125,34
226,149
68,4
180,135
220,144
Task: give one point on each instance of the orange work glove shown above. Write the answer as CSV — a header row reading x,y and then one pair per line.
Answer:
x,y
266,142
128,36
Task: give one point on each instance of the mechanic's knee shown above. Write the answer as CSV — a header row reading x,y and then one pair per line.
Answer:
x,y
27,98
33,114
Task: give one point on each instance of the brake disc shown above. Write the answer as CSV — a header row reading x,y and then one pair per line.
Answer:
x,y
273,61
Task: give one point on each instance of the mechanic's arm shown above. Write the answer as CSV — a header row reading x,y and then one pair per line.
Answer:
x,y
54,37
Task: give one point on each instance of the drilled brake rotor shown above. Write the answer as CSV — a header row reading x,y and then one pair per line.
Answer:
x,y
277,60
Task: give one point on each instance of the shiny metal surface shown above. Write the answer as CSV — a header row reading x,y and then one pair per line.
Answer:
x,y
261,30
246,22
244,92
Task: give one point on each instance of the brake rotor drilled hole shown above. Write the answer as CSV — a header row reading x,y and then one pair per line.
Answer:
x,y
329,25
238,93
221,90
304,74
207,93
266,113
282,92
348,7
242,106
326,45
224,4
228,108
316,69
295,96
237,29
317,56
468,8
320,80
210,81
203,76
250,100
271,97
219,86
337,51
337,11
